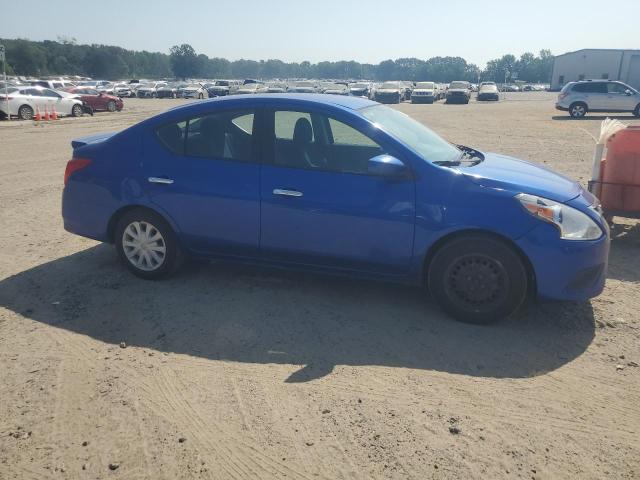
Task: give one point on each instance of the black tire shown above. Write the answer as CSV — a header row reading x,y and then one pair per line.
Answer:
x,y
636,112
76,110
148,221
111,106
578,110
25,112
200,96
478,279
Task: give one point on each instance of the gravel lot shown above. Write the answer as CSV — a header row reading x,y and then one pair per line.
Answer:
x,y
235,372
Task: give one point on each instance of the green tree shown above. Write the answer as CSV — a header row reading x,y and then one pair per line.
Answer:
x,y
184,61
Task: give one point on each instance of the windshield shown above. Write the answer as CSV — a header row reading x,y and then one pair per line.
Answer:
x,y
359,85
390,85
193,85
459,85
304,84
425,85
488,88
222,83
419,138
9,90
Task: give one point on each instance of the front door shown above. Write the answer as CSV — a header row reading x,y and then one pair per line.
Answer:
x,y
203,173
618,97
320,205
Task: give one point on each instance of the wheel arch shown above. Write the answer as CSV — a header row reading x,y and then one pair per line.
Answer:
x,y
435,247
119,213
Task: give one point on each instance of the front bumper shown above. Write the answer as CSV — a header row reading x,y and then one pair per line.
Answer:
x,y
457,98
566,269
562,108
422,98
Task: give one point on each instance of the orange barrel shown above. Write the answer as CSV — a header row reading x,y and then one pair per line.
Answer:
x,y
620,172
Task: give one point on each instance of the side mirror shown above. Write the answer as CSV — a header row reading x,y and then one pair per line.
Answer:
x,y
628,92
386,166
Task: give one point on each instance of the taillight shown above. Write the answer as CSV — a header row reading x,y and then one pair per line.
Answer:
x,y
6,99
74,165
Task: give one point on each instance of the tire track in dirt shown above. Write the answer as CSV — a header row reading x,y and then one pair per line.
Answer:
x,y
243,460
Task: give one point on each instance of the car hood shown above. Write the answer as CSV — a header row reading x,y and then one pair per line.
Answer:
x,y
388,90
426,90
519,176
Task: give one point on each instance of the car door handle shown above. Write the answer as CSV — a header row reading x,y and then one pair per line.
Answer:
x,y
161,180
287,193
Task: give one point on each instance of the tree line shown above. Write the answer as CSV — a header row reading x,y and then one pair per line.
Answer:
x,y
66,57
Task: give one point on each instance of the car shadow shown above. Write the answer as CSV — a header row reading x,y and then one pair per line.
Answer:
x,y
594,117
259,315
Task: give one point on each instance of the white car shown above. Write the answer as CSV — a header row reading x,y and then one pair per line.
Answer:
x,y
427,92
25,101
578,98
252,88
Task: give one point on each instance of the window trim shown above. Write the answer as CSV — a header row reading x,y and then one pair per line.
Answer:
x,y
269,137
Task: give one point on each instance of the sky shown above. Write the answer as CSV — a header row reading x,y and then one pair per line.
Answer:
x,y
316,30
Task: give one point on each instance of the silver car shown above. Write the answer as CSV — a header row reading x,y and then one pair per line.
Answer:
x,y
578,98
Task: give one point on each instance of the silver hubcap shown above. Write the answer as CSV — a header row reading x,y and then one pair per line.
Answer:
x,y
144,246
578,110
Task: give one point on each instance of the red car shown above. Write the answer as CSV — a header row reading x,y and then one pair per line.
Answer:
x,y
97,100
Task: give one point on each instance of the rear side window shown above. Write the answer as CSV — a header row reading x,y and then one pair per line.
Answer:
x,y
595,87
172,136
224,135
617,88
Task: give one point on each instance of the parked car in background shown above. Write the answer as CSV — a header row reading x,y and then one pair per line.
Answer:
x,y
391,92
98,101
195,90
336,89
169,90
93,83
276,87
425,92
303,87
579,98
458,92
25,101
361,89
510,88
488,91
252,88
222,88
149,90
482,231
52,84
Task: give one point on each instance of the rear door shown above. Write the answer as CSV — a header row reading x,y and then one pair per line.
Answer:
x,y
203,173
320,206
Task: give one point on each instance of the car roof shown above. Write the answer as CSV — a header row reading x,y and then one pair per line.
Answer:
x,y
352,103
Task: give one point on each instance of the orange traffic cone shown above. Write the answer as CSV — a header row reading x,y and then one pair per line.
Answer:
x,y
54,114
38,117
46,113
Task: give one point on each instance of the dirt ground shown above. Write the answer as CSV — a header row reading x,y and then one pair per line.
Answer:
x,y
235,372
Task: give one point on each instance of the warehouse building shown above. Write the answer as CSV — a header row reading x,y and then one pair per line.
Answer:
x,y
595,63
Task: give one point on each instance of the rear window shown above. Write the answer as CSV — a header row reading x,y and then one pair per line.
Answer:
x,y
590,87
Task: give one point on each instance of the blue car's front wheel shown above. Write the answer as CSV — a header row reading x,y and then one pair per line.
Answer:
x,y
478,278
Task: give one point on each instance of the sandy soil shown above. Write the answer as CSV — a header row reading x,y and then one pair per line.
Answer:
x,y
234,372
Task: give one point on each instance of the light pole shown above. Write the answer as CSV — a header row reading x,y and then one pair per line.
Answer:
x,y
3,57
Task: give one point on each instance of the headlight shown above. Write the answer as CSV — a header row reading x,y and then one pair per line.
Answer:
x,y
572,223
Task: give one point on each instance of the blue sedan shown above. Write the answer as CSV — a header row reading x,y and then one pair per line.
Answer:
x,y
338,185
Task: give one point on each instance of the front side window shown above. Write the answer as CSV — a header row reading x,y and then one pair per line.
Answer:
x,y
49,93
617,88
223,135
316,141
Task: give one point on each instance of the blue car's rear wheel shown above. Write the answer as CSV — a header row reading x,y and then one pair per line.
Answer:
x,y
478,279
147,244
